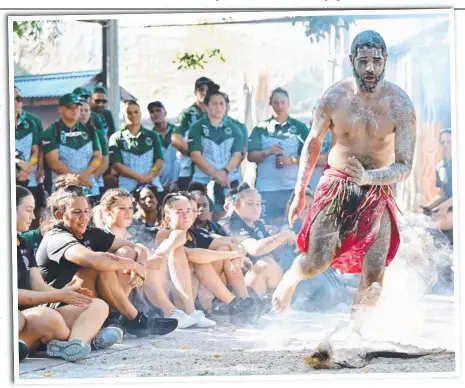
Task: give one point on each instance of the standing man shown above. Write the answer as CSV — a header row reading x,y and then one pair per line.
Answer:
x,y
441,205
27,151
99,105
70,146
181,131
170,172
92,119
351,225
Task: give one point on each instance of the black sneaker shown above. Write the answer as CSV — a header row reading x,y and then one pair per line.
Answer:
x,y
113,321
244,310
163,326
267,302
23,350
139,326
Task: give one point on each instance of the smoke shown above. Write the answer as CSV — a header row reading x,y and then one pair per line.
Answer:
x,y
423,264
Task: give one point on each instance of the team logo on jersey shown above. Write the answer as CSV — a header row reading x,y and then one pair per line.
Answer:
x,y
206,131
228,131
63,137
84,135
260,234
442,172
293,130
25,259
125,144
25,124
194,118
149,141
243,232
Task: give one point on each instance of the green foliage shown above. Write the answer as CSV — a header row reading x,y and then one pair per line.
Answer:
x,y
318,27
36,30
195,61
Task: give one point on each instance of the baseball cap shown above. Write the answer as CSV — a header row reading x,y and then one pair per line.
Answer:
x,y
100,89
69,99
155,104
81,92
202,81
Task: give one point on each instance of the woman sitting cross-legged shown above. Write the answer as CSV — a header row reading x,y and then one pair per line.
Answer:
x,y
188,252
108,266
69,330
116,215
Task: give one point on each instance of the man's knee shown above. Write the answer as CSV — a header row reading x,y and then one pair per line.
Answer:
x,y
373,274
310,263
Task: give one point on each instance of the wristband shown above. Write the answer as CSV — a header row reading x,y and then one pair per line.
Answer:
x,y
33,160
295,160
96,163
225,170
154,169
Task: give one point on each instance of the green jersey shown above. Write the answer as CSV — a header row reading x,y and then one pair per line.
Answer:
x,y
75,146
290,136
184,122
139,153
217,145
27,136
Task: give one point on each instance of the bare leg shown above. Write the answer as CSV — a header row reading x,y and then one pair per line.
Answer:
x,y
113,287
374,264
43,324
210,279
265,275
323,242
181,278
154,288
21,321
85,322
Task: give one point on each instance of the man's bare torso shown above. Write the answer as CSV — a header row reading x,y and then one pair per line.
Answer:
x,y
364,127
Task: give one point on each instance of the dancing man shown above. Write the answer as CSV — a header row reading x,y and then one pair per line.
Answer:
x,y
352,223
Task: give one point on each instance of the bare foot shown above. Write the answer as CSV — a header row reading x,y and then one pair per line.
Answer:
x,y
282,297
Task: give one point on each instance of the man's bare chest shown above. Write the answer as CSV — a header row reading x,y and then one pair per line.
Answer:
x,y
355,119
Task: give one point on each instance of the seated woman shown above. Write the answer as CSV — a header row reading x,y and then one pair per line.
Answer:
x,y
205,208
106,265
189,251
68,330
145,223
224,268
115,215
249,231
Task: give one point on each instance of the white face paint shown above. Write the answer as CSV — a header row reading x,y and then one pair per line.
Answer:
x,y
368,68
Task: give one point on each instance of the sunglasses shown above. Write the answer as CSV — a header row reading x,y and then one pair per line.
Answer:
x,y
145,186
101,101
18,99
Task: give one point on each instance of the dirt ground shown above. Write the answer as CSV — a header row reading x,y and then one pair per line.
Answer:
x,y
273,346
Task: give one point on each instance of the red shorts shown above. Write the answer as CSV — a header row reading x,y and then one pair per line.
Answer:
x,y
364,222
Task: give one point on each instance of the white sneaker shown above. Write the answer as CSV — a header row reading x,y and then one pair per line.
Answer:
x,y
184,320
201,319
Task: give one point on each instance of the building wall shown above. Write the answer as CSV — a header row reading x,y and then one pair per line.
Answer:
x,y
47,113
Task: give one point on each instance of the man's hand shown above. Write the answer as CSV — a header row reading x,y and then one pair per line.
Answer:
x,y
296,209
26,166
356,172
143,179
276,149
284,161
84,179
22,176
221,178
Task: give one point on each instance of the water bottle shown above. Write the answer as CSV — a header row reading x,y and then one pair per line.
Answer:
x,y
278,156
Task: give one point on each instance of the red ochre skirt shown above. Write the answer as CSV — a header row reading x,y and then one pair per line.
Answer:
x,y
362,225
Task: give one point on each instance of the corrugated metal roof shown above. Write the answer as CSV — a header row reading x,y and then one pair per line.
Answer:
x,y
437,31
54,85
